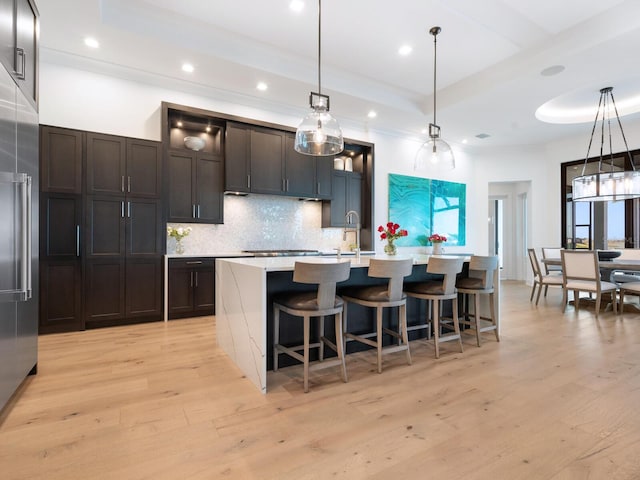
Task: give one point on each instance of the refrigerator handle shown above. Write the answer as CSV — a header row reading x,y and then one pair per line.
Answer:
x,y
26,290
77,240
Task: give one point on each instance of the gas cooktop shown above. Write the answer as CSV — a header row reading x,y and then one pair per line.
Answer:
x,y
282,253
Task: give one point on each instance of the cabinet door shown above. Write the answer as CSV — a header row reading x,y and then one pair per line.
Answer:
x,y
106,164
144,288
26,61
324,171
61,160
236,158
105,291
203,290
7,34
267,154
105,227
181,176
354,194
60,222
209,189
299,171
60,296
180,291
144,168
333,212
144,228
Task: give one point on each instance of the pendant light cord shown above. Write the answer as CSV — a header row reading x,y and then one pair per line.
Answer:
x,y
435,53
319,45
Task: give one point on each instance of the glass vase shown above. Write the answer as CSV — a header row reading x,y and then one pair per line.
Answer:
x,y
390,248
179,247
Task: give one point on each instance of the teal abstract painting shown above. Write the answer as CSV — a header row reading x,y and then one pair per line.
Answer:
x,y
424,206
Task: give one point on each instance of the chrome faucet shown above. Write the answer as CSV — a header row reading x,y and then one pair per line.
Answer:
x,y
347,221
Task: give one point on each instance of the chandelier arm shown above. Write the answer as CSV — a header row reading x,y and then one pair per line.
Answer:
x,y
610,137
593,130
615,108
604,108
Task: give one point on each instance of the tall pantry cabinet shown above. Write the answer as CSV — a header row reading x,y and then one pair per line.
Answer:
x,y
118,240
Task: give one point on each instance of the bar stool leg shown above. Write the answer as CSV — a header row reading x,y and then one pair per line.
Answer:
x,y
320,338
456,322
340,344
379,337
476,313
276,337
344,328
306,353
436,326
492,306
402,320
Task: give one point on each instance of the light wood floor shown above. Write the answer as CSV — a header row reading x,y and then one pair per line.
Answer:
x,y
557,398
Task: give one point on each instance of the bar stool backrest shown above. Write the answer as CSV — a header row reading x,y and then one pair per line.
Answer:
x,y
395,271
449,267
325,275
483,268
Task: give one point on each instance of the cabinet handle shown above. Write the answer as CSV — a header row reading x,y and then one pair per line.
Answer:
x,y
129,184
284,185
193,210
191,280
248,181
122,183
198,211
122,209
195,262
77,240
196,279
21,61
287,184
128,209
318,188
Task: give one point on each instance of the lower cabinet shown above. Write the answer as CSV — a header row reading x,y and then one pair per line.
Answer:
x,y
120,291
191,287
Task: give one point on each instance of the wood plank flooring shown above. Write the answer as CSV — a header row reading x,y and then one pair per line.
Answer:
x,y
558,398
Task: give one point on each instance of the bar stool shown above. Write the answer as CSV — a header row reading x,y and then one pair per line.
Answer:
x,y
436,291
379,297
480,282
319,303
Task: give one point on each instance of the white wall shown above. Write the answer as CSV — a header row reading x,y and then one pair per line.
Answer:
x,y
81,99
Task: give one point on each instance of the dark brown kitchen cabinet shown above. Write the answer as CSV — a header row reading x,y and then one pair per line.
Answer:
x,y
196,183
347,196
61,160
60,263
237,158
266,154
123,166
191,287
19,44
306,176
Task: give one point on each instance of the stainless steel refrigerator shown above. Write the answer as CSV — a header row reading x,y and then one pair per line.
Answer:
x,y
18,238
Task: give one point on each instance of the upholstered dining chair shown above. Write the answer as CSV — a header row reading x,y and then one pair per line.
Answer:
x,y
580,273
541,279
379,297
551,252
318,303
628,287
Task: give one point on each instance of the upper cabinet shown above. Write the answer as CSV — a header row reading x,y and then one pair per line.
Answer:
x,y
61,160
195,166
19,44
263,160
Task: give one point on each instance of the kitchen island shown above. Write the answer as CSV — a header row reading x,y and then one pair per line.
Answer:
x,y
245,287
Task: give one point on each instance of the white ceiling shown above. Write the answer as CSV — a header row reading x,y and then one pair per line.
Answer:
x,y
490,55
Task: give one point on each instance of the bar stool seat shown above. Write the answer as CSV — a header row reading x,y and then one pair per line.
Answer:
x,y
435,292
306,305
379,297
480,282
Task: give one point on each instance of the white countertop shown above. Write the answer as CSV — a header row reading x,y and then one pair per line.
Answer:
x,y
283,264
208,255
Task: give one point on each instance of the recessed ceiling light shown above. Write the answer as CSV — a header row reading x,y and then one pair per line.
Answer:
x,y
208,129
424,131
91,42
187,67
464,140
372,114
405,50
552,70
296,5
262,86
179,124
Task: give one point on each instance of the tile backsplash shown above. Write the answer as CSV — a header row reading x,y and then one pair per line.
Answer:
x,y
257,222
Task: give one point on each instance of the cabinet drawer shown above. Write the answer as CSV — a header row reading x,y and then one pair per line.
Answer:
x,y
194,262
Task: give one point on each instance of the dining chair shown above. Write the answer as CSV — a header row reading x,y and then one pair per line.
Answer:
x,y
580,273
435,292
628,287
380,297
551,252
540,279
318,303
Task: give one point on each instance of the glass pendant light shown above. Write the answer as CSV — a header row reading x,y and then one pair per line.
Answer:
x,y
319,133
609,183
435,153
